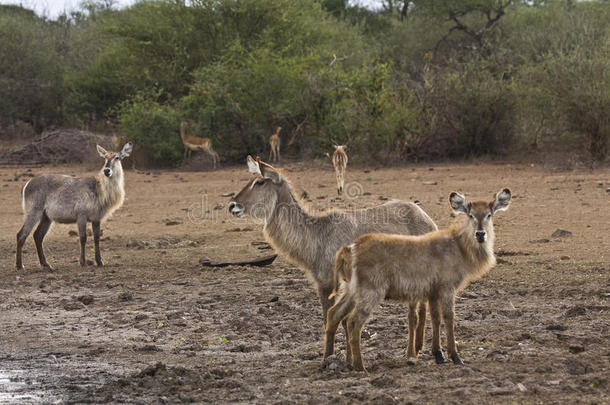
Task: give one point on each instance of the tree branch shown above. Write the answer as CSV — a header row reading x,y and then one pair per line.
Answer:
x,y
460,26
475,35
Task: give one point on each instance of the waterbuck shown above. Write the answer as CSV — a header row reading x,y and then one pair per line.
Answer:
x,y
432,267
65,199
311,241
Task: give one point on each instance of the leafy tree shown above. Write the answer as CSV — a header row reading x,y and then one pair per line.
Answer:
x,y
30,72
473,18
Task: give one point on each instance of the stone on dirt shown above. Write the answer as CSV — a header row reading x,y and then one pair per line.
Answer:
x,y
73,306
383,381
126,296
561,233
335,363
85,299
576,349
575,311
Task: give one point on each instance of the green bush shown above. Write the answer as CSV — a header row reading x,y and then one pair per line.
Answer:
x,y
564,86
394,86
240,101
484,112
30,70
466,112
154,128
369,111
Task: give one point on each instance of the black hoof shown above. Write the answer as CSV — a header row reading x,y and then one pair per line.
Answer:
x,y
456,359
440,357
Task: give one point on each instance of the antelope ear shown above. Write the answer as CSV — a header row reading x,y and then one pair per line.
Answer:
x,y
253,166
103,152
501,201
126,150
458,203
269,172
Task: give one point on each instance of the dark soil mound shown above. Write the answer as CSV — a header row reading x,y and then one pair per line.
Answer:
x,y
58,146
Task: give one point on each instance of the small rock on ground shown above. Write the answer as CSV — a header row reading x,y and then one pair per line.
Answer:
x,y
561,233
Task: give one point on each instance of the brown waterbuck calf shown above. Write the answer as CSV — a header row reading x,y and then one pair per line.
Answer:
x,y
311,241
274,144
430,267
65,199
194,143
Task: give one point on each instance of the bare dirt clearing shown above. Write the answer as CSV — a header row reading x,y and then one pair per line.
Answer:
x,y
153,325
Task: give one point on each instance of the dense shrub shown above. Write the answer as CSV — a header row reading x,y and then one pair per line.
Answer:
x,y
481,111
152,127
434,80
468,112
564,83
30,70
239,101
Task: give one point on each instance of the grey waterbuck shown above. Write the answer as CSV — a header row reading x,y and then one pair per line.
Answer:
x,y
311,241
429,267
65,199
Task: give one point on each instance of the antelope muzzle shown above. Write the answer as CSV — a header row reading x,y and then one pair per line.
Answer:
x,y
236,209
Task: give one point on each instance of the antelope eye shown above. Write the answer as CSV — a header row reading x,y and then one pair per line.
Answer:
x,y
487,216
471,216
258,182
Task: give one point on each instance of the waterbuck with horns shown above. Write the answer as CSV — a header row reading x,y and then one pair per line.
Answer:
x,y
432,267
310,240
65,199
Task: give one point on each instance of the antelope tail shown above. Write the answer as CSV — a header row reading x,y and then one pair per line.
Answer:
x,y
342,269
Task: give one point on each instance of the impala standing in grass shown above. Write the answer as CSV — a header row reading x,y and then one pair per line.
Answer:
x,y
274,144
194,143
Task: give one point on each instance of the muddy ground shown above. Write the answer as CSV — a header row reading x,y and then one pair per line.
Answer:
x,y
154,326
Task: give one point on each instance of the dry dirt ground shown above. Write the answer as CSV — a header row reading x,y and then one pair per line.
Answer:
x,y
154,326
